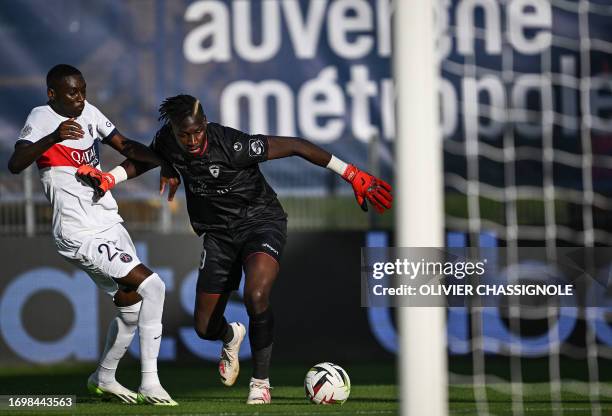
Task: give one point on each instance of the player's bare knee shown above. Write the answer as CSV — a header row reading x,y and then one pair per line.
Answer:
x,y
256,301
135,277
254,297
125,297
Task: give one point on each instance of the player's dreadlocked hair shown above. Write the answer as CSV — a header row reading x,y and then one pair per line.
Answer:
x,y
58,72
179,107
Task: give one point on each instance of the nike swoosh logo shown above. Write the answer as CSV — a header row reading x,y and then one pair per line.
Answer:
x,y
157,337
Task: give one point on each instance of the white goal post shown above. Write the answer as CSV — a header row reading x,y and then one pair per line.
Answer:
x,y
419,215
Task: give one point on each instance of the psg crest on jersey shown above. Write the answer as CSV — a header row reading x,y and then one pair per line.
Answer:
x,y
214,170
256,147
124,257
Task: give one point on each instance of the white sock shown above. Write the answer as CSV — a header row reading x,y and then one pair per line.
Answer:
x,y
118,338
153,292
265,381
149,379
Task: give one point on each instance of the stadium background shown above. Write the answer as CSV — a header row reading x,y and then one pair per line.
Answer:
x,y
525,114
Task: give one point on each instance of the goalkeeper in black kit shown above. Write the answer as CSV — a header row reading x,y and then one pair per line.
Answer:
x,y
244,225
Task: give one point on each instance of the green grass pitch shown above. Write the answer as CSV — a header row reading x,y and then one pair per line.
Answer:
x,y
199,392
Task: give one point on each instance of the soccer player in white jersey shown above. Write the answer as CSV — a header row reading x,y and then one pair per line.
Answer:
x,y
61,137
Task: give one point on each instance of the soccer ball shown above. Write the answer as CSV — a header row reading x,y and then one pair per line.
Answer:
x,y
327,383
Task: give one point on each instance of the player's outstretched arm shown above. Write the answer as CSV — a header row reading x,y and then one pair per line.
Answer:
x,y
133,150
102,182
26,153
142,158
167,175
365,186
279,147
133,168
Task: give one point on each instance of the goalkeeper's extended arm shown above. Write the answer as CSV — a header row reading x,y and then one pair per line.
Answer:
x,y
365,186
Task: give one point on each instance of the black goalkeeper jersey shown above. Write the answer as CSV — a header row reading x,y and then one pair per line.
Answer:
x,y
224,187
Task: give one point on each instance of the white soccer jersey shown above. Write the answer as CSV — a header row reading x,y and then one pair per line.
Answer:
x,y
76,214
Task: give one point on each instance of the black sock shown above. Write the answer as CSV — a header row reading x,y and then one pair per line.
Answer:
x,y
261,362
227,333
261,328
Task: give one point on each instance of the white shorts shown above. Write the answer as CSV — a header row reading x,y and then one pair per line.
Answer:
x,y
104,256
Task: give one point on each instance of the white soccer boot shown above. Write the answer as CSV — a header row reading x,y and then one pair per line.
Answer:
x,y
229,364
156,396
259,392
108,391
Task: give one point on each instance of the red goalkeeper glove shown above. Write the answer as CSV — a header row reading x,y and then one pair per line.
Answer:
x,y
98,180
366,186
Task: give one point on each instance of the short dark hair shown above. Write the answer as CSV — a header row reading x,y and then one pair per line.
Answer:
x,y
58,72
179,107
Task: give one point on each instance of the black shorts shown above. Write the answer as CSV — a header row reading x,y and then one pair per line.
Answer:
x,y
224,254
